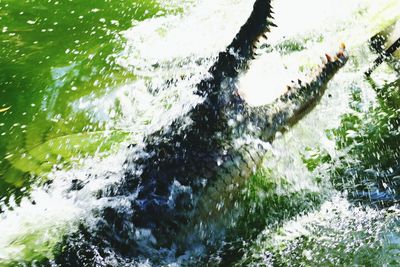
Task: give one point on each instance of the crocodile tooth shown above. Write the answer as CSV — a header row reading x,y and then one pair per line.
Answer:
x,y
272,24
328,57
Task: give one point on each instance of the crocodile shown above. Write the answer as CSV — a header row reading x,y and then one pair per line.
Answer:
x,y
190,171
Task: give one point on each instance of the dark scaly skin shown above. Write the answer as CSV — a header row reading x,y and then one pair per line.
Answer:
x,y
187,173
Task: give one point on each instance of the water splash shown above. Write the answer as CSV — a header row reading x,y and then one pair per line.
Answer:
x,y
338,233
181,48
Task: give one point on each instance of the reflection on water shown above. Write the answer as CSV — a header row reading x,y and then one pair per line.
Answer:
x,y
52,53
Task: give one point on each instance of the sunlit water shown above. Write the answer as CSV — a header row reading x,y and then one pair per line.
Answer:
x,y
75,109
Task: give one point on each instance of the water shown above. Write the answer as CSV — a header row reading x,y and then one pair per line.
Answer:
x,y
84,80
53,54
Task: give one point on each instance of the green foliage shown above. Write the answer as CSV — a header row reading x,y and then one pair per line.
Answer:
x,y
314,157
270,196
368,145
266,201
340,238
299,43
367,142
370,141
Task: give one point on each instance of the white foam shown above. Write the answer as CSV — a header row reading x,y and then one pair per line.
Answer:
x,y
202,32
